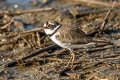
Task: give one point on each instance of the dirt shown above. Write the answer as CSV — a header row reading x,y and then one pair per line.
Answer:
x,y
20,36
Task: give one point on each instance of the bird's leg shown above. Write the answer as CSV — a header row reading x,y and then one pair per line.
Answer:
x,y
72,58
69,61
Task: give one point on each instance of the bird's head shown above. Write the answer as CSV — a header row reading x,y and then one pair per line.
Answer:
x,y
51,27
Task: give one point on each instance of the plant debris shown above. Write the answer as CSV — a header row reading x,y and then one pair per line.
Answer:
x,y
26,53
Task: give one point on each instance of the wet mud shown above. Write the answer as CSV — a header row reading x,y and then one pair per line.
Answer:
x,y
26,53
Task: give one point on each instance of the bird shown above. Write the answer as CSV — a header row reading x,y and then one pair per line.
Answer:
x,y
70,37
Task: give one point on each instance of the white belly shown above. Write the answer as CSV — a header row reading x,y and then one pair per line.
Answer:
x,y
69,46
64,45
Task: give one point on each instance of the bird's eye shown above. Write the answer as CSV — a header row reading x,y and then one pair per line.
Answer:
x,y
47,25
50,25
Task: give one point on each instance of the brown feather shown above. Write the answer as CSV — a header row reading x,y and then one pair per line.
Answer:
x,y
74,35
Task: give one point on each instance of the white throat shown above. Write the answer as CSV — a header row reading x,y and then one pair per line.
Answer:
x,y
51,31
53,37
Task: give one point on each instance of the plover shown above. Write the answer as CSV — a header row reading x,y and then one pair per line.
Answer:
x,y
70,37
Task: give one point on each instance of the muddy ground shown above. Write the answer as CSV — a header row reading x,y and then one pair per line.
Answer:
x,y
21,35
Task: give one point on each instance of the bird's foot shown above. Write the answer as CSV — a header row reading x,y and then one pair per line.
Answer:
x,y
71,59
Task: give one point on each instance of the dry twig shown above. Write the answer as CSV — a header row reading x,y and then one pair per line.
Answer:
x,y
105,19
13,63
7,25
96,2
26,11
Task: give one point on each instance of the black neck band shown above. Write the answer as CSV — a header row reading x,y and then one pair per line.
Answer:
x,y
54,31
